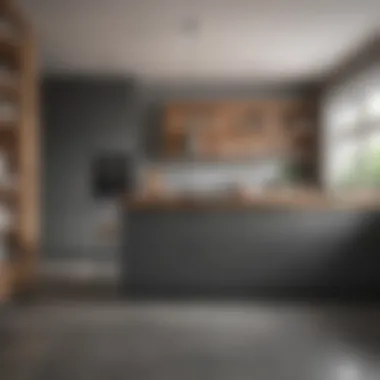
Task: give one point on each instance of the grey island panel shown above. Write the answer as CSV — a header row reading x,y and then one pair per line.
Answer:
x,y
251,251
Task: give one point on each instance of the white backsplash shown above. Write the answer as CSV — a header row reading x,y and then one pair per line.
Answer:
x,y
218,177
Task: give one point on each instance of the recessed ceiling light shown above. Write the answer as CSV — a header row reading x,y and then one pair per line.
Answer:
x,y
190,26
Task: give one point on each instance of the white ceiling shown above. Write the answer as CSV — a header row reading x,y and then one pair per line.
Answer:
x,y
276,40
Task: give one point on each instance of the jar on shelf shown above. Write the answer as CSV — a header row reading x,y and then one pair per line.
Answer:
x,y
4,249
7,30
7,76
8,111
4,268
6,219
5,177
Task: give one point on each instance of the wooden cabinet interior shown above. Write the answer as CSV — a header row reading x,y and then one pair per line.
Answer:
x,y
239,129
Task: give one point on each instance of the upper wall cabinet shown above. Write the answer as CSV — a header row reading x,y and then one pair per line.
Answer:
x,y
238,129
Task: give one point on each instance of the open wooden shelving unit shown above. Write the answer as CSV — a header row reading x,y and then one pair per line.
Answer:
x,y
19,148
230,130
281,129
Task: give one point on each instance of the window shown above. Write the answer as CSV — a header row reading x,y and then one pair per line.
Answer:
x,y
352,136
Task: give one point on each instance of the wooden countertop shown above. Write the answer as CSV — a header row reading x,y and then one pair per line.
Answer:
x,y
280,198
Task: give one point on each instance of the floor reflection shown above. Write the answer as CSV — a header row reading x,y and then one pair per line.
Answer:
x,y
189,341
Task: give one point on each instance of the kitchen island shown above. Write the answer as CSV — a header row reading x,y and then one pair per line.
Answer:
x,y
281,244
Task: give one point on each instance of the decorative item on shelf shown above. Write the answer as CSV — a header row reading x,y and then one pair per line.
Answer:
x,y
6,219
10,54
299,173
4,280
299,138
193,127
303,144
191,142
8,112
300,133
290,173
4,248
7,31
301,125
7,76
4,169
154,184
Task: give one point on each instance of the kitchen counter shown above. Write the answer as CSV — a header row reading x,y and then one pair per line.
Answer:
x,y
280,198
244,245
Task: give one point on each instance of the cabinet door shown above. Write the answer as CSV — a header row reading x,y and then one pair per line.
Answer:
x,y
238,129
183,124
249,130
174,137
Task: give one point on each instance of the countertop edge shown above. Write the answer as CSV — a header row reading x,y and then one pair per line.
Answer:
x,y
292,201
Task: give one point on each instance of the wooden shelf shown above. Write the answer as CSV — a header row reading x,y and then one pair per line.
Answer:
x,y
10,52
304,198
9,91
19,140
8,195
8,126
5,281
9,137
235,129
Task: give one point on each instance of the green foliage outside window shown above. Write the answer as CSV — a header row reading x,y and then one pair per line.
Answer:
x,y
366,171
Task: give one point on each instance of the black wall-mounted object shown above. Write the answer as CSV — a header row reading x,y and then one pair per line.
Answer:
x,y
111,175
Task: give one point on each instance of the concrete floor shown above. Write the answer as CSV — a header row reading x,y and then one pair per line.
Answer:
x,y
146,341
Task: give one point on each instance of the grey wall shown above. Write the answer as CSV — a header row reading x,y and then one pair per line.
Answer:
x,y
84,115
81,117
